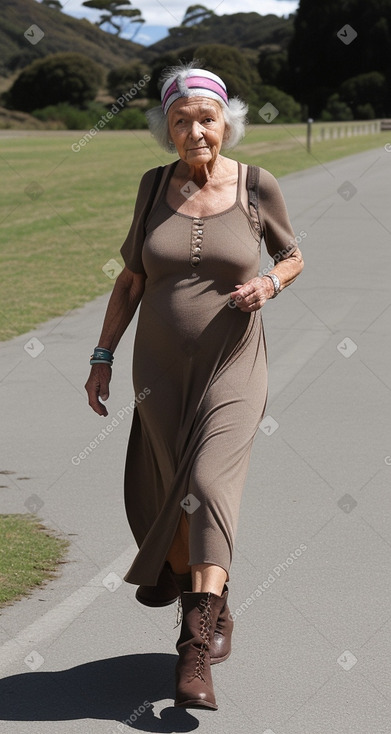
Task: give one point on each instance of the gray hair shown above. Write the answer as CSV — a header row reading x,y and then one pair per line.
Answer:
x,y
234,114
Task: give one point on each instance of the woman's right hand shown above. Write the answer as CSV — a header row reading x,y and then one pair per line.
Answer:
x,y
97,386
125,297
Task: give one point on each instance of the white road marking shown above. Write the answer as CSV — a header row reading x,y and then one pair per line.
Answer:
x,y
62,615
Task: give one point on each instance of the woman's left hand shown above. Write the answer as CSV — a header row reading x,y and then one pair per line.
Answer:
x,y
252,295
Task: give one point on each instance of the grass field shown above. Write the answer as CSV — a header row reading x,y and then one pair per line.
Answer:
x,y
29,554
64,214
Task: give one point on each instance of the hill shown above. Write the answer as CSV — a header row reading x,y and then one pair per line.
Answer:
x,y
62,33
240,30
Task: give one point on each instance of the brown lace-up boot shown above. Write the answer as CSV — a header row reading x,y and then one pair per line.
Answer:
x,y
165,592
194,685
220,644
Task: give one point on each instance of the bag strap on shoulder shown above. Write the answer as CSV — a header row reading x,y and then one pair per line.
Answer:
x,y
153,192
252,183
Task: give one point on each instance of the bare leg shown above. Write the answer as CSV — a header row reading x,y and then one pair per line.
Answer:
x,y
205,576
178,555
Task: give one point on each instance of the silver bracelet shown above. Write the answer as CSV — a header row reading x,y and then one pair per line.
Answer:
x,y
276,283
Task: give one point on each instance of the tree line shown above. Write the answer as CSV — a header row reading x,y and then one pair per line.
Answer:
x,y
329,61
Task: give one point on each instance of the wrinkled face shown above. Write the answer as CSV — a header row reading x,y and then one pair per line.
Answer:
x,y
196,126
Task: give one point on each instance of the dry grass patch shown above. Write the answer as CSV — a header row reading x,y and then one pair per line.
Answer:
x,y
29,555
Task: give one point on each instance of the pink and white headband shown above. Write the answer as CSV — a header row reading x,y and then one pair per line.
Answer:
x,y
197,82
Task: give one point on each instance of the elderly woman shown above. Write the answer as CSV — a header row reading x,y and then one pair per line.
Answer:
x,y
192,258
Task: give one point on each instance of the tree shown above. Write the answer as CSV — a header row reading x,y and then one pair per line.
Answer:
x,y
241,78
336,110
54,4
196,14
273,67
365,89
288,109
161,62
365,112
112,9
123,78
246,31
63,77
334,41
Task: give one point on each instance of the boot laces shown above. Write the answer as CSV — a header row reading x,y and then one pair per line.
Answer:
x,y
179,613
205,626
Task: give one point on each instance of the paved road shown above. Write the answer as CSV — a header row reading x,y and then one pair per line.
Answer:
x,y
311,578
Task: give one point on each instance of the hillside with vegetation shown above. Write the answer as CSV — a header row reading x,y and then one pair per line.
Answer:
x,y
312,64
62,34
244,31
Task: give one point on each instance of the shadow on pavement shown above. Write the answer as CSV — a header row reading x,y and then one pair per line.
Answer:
x,y
116,689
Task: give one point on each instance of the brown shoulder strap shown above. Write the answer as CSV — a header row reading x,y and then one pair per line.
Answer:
x,y
252,183
152,193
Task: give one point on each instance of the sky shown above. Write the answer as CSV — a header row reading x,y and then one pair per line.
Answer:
x,y
162,14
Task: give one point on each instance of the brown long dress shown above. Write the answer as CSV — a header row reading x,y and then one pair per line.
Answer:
x,y
199,371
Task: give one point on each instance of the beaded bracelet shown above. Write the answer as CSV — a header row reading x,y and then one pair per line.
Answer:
x,y
102,355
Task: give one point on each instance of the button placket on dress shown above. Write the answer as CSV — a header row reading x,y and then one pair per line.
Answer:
x,y
197,238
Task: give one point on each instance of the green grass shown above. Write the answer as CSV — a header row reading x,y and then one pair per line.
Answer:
x,y
29,555
53,245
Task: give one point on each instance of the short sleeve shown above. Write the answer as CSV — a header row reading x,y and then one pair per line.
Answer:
x,y
276,226
131,249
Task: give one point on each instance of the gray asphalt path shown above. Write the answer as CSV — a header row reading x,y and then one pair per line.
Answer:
x,y
310,584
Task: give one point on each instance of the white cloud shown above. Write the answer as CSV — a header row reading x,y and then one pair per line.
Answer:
x,y
144,38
